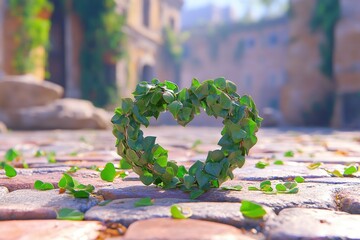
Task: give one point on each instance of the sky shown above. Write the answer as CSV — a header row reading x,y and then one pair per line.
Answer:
x,y
240,6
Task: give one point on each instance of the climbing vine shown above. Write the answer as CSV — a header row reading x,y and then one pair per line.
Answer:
x,y
325,16
149,160
33,31
102,46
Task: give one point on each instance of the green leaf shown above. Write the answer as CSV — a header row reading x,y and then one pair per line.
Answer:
x,y
147,178
350,170
124,165
12,155
279,162
70,214
290,185
335,173
188,181
289,154
230,87
293,191
51,157
108,173
313,166
144,202
213,168
281,187
81,194
162,161
220,83
261,165
225,101
265,183
127,105
232,188
196,193
39,153
42,186
9,170
181,171
299,179
177,212
252,210
73,169
175,107
168,97
253,188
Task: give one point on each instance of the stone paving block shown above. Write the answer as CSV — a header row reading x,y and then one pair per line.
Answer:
x,y
3,191
34,204
349,200
49,229
312,195
272,172
160,228
27,177
299,223
336,180
124,212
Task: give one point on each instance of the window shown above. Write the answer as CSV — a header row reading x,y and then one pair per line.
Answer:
x,y
146,13
273,39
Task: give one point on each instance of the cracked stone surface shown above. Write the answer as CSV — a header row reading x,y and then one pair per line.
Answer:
x,y
124,212
49,229
34,204
299,223
324,207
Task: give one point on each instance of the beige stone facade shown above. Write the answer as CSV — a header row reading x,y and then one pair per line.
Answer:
x,y
251,55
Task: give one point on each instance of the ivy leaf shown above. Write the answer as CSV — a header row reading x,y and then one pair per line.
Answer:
x,y
220,83
232,188
335,173
108,173
196,193
51,157
289,154
253,188
127,105
11,155
299,179
252,210
230,87
281,187
81,194
9,170
279,162
188,181
168,97
39,153
147,178
350,170
144,202
177,212
313,166
261,164
42,186
175,107
70,214
290,185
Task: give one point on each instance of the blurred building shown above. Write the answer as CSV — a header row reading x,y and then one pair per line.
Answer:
x,y
206,15
146,20
251,55
310,97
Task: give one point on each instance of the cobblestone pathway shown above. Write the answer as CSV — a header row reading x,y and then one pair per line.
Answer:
x,y
325,206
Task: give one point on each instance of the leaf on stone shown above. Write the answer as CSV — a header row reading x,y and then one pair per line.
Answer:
x,y
43,186
81,194
278,162
289,154
12,155
253,188
252,210
313,166
290,185
39,153
51,157
9,170
70,214
261,164
177,212
350,170
144,202
108,173
232,188
280,187
299,179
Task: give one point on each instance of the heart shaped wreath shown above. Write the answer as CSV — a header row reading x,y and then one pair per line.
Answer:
x,y
150,161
